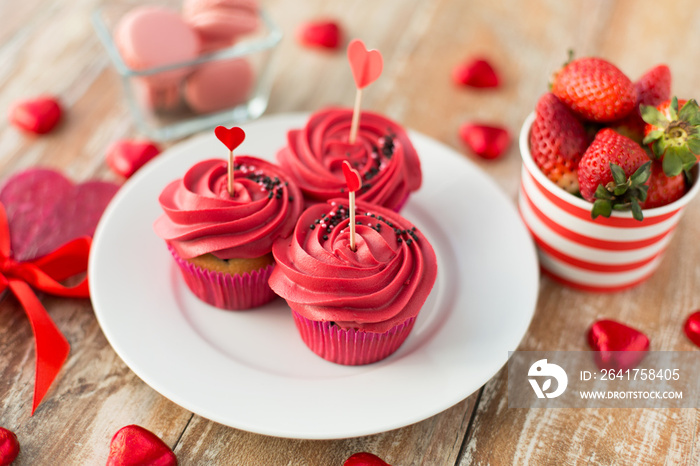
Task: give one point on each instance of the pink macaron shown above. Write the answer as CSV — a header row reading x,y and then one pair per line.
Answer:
x,y
220,23
219,85
150,37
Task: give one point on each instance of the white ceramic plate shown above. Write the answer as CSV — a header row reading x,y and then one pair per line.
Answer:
x,y
250,370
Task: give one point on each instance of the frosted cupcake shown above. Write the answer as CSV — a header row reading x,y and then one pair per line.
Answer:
x,y
353,307
223,243
383,154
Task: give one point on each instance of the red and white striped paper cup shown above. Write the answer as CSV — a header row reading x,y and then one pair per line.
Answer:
x,y
605,254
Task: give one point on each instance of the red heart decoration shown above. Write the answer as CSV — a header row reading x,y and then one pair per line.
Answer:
x,y
365,459
475,73
352,177
124,157
618,346
486,141
692,327
133,445
9,446
366,64
45,210
324,34
38,115
231,137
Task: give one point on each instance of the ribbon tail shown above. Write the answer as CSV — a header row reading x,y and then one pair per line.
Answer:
x,y
51,347
45,273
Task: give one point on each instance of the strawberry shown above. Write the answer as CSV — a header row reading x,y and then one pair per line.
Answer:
x,y
595,90
663,189
653,88
673,134
613,174
557,142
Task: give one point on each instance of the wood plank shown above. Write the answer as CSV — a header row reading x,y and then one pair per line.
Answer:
x,y
309,79
435,441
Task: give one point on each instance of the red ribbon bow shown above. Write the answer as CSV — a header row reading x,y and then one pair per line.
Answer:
x,y
43,274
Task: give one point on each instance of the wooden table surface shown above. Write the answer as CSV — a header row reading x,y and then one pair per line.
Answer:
x,y
50,46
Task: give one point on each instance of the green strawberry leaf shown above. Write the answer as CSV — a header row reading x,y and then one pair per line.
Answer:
x,y
570,56
685,154
672,163
623,193
653,116
688,111
694,117
673,109
658,148
602,193
642,193
641,175
637,210
652,136
687,158
601,207
618,174
620,190
694,145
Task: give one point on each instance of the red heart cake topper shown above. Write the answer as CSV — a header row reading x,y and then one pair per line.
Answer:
x,y
230,137
366,64
352,177
354,182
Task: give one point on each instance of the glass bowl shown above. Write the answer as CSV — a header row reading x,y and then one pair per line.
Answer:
x,y
161,106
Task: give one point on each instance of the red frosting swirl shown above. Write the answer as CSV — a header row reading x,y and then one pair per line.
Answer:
x,y
201,217
382,153
384,282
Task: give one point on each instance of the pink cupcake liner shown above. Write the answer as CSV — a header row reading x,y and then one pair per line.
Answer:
x,y
349,346
225,291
